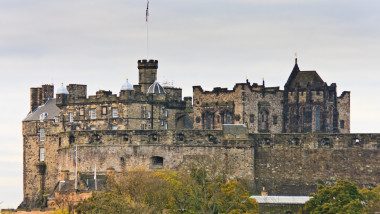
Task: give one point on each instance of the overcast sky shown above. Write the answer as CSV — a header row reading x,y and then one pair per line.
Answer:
x,y
212,43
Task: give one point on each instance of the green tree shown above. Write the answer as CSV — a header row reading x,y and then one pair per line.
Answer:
x,y
344,197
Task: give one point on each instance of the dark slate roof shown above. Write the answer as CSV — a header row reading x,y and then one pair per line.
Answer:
x,y
303,78
49,107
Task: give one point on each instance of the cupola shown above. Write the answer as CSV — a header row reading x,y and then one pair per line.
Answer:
x,y
127,86
62,90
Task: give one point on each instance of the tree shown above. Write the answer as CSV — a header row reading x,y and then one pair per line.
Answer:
x,y
344,197
166,191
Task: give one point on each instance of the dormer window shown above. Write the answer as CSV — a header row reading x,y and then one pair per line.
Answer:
x,y
56,120
43,116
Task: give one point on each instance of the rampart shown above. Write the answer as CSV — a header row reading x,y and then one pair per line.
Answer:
x,y
286,164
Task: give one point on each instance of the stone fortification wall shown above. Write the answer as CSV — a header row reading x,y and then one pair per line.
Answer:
x,y
294,164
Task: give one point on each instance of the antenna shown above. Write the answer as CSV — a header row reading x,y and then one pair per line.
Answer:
x,y
147,29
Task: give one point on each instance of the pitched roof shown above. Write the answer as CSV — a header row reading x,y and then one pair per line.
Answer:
x,y
281,199
304,78
49,107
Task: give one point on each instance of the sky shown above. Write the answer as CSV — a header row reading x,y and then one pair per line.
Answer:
x,y
212,43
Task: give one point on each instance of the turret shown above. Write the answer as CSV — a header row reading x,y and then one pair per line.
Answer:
x,y
147,73
62,96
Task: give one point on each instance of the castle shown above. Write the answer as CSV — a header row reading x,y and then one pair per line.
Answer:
x,y
286,140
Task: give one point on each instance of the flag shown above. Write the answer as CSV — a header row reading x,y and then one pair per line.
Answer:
x,y
147,11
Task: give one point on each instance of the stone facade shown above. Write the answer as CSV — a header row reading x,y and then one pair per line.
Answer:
x,y
248,129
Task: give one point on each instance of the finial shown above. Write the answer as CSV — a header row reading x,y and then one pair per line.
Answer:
x,y
295,54
246,77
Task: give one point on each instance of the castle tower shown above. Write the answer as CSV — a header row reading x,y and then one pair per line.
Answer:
x,y
147,73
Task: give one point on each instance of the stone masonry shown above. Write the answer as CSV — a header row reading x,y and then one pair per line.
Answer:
x,y
287,141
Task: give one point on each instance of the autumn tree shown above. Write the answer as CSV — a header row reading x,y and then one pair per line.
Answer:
x,y
166,191
344,197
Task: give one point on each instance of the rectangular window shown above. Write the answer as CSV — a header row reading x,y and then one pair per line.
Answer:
x,y
166,125
149,114
115,113
92,128
92,114
42,154
71,117
104,110
42,134
275,120
342,124
143,112
162,122
81,111
56,120
251,118
114,127
166,113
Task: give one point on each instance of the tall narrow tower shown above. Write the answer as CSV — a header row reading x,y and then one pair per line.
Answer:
x,y
147,73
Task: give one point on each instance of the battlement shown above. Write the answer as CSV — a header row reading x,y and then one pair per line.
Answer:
x,y
145,64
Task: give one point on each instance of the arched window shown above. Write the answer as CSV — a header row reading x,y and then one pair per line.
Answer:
x,y
317,119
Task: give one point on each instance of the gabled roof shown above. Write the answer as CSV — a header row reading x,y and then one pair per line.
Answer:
x,y
49,107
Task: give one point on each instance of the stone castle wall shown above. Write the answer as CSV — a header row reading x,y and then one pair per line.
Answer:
x,y
294,164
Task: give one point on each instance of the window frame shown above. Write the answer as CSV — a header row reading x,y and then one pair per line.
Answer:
x,y
42,134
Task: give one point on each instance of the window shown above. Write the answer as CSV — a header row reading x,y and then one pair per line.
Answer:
x,y
148,114
157,162
342,124
92,127
275,120
104,110
251,118
42,134
114,127
92,114
115,113
166,113
317,119
162,122
166,125
71,117
143,112
81,111
42,154
43,116
56,120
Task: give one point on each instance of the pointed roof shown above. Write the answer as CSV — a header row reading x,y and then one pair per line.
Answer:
x,y
155,88
293,75
304,79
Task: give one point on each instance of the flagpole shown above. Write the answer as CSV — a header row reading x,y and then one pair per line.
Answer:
x,y
59,179
96,185
76,167
147,29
